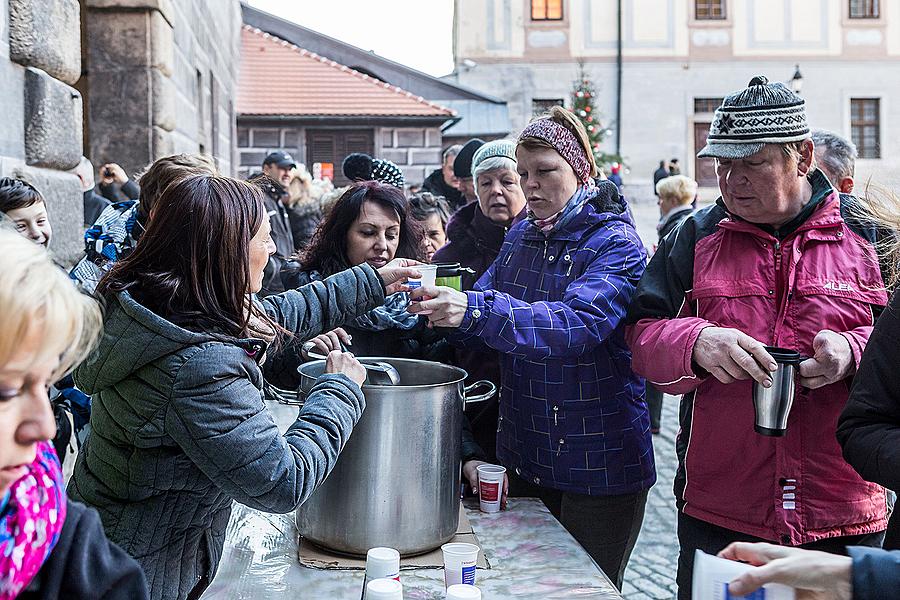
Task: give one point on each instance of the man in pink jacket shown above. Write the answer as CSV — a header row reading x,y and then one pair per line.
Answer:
x,y
779,260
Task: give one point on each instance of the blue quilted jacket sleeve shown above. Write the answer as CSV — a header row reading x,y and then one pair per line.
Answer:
x,y
224,427
875,572
592,307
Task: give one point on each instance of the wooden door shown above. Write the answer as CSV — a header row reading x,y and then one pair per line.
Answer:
x,y
333,145
704,168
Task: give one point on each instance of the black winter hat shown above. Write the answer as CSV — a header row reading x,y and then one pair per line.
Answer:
x,y
462,166
357,167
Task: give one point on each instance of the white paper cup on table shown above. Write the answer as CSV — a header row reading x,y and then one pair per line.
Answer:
x,y
459,563
381,563
463,592
384,589
490,487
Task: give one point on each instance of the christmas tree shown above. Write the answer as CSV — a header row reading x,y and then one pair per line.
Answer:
x,y
583,97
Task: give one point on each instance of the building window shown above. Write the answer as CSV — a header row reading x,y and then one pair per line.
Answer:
x,y
865,126
541,105
709,10
864,9
706,105
546,10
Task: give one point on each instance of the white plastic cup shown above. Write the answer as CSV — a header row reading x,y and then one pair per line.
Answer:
x,y
463,592
429,275
459,563
384,589
381,563
490,487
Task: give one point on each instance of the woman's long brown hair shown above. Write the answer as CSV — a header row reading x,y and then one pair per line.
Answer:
x,y
192,265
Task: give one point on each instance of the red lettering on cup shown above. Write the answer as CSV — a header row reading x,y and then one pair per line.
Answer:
x,y
489,492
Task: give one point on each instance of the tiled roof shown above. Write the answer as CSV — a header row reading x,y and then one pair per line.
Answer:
x,y
279,78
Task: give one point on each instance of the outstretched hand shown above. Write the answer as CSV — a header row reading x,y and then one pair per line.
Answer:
x,y
444,306
395,273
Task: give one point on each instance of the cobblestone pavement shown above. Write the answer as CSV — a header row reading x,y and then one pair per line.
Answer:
x,y
651,570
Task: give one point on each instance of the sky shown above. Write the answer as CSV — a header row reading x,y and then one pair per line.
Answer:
x,y
416,33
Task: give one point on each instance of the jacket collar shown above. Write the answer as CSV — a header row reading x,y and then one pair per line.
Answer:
x,y
605,205
821,212
470,223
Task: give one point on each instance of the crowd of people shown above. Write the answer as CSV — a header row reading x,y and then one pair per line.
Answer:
x,y
214,290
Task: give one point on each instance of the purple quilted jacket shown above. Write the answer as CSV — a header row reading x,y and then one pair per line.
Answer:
x,y
572,412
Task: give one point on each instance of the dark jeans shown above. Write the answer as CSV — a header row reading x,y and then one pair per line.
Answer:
x,y
654,403
694,534
607,527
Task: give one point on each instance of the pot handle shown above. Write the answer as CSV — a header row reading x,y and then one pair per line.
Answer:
x,y
492,389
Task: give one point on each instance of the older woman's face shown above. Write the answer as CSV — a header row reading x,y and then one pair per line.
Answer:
x,y
26,417
765,188
547,180
434,236
374,236
261,248
500,196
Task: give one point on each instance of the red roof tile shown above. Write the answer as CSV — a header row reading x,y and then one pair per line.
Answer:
x,y
278,78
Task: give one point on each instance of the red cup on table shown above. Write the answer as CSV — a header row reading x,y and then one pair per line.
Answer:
x,y
490,487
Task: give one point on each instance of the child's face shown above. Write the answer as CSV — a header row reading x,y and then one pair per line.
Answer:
x,y
33,223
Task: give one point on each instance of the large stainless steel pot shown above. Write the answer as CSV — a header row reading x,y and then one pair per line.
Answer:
x,y
396,483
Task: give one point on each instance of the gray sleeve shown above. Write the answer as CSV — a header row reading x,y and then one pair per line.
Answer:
x,y
217,416
321,306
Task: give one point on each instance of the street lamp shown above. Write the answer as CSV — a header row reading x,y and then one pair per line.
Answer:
x,y
797,80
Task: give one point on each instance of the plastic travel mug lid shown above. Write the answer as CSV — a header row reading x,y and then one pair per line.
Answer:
x,y
447,269
784,356
459,591
384,589
382,562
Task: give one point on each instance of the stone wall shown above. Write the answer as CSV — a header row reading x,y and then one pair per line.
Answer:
x,y
161,79
41,128
416,150
255,143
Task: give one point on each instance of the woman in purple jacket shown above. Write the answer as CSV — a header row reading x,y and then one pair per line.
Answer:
x,y
574,429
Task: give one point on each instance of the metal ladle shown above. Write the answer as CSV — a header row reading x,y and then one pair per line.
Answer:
x,y
377,372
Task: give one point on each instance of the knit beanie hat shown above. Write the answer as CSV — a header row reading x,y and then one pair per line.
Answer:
x,y
357,167
462,166
762,113
504,148
387,172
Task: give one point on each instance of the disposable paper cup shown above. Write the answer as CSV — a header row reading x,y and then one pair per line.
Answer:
x,y
463,592
459,563
384,589
490,487
382,563
429,274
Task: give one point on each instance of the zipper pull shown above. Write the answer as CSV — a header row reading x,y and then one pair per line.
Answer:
x,y
546,245
555,415
559,447
568,259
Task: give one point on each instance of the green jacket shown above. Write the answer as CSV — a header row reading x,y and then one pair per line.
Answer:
x,y
179,429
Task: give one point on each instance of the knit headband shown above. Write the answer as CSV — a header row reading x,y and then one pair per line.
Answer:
x,y
564,142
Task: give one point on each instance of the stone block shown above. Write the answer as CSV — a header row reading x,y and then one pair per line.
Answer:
x,y
53,122
12,108
398,156
65,206
387,138
243,137
414,175
162,100
407,138
118,41
428,156
266,138
433,138
162,44
47,34
163,6
163,144
128,145
252,159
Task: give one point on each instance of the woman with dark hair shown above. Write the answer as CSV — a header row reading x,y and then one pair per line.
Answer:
x,y
573,427
369,224
179,427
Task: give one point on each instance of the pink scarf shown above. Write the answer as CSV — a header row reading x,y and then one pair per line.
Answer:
x,y
31,521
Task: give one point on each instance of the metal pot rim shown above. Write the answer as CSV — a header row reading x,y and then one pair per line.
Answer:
x,y
461,373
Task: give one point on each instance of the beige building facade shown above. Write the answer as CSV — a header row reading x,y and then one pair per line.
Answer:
x,y
678,59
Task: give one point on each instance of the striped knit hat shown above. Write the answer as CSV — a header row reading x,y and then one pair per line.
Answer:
x,y
504,148
762,113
